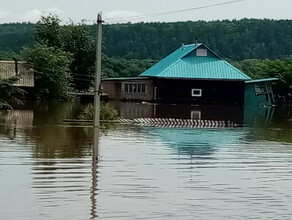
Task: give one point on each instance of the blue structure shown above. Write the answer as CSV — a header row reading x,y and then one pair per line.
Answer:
x,y
195,74
195,61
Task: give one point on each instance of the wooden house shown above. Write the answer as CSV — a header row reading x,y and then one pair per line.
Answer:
x,y
192,74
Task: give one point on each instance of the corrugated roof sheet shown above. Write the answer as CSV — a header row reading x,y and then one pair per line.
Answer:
x,y
183,63
262,80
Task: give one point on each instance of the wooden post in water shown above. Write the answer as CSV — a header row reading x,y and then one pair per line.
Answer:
x,y
97,87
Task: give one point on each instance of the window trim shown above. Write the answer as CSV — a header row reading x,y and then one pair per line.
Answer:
x,y
134,88
196,95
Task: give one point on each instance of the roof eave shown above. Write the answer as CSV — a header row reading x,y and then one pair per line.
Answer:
x,y
270,80
127,78
207,79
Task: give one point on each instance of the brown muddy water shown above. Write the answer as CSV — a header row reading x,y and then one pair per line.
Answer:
x,y
52,170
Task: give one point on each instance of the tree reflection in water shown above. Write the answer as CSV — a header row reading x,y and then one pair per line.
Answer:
x,y
63,160
271,125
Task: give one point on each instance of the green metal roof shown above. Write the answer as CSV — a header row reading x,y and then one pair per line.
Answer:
x,y
262,80
183,63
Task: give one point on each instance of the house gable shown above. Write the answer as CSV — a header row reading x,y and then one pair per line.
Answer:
x,y
195,61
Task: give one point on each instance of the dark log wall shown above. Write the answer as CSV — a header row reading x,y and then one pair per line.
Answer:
x,y
217,92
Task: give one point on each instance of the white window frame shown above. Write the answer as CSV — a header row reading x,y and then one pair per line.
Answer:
x,y
133,88
196,115
194,93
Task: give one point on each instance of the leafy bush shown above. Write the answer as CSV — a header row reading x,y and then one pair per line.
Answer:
x,y
52,74
8,92
281,69
74,39
107,112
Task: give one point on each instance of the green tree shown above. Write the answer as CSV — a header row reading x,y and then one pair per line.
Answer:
x,y
81,44
49,31
9,92
114,67
9,56
52,73
281,69
75,39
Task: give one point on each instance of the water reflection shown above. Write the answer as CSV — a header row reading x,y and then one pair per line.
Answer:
x,y
258,115
195,142
53,171
263,123
17,119
236,114
94,173
275,126
61,158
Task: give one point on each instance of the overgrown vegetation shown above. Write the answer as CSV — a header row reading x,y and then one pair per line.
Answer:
x,y
236,39
4,55
15,36
63,58
8,92
281,69
107,112
113,67
73,48
52,74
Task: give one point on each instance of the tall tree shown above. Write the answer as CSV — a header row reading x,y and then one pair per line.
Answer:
x,y
80,43
75,39
49,32
52,73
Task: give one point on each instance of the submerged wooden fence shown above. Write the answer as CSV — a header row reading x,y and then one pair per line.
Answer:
x,y
20,69
182,123
167,122
20,118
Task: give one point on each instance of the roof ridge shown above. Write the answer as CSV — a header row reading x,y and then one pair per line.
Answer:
x,y
171,56
195,47
169,67
194,44
181,58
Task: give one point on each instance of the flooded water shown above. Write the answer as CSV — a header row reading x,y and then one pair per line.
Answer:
x,y
52,170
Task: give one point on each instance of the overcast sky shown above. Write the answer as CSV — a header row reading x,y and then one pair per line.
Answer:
x,y
113,10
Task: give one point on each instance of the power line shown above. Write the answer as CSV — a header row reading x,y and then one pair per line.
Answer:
x,y
121,19
82,79
51,69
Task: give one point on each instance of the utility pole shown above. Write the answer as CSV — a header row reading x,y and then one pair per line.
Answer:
x,y
97,86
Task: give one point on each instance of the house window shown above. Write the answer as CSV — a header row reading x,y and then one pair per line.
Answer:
x,y
260,89
196,115
201,52
196,92
134,88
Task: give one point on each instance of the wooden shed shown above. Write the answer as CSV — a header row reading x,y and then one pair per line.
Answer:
x,y
19,69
